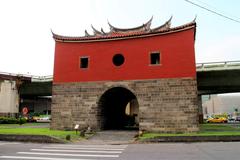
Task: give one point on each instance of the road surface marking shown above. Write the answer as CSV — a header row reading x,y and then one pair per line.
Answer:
x,y
82,151
4,143
38,158
75,155
103,149
52,152
95,146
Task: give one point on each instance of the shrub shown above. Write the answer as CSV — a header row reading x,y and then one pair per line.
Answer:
x,y
11,120
8,120
22,121
68,137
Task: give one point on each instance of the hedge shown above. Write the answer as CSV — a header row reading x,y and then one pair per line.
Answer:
x,y
11,120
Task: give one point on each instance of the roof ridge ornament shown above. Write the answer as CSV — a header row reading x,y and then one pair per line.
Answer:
x,y
110,26
55,35
103,31
96,32
165,26
87,34
194,20
52,31
148,24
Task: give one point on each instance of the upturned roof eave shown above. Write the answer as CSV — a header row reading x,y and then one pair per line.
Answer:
x,y
188,26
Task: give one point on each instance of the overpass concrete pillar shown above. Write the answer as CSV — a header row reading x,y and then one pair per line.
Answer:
x,y
200,109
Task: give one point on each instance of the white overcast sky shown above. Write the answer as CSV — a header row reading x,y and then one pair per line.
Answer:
x,y
27,46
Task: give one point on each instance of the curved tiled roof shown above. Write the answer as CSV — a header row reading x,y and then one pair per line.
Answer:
x,y
145,27
117,33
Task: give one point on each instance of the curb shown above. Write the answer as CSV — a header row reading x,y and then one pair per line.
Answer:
x,y
192,139
29,138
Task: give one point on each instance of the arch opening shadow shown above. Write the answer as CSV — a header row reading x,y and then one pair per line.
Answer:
x,y
118,109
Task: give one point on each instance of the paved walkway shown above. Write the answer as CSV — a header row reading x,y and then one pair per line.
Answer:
x,y
111,137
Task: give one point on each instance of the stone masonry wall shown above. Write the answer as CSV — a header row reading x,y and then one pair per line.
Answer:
x,y
165,105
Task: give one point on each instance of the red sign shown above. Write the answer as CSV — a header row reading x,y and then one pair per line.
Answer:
x,y
25,110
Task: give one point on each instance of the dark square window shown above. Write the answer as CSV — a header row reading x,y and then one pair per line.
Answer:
x,y
155,58
84,62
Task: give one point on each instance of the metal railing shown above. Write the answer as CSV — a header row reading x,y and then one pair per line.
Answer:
x,y
225,65
42,78
14,74
32,77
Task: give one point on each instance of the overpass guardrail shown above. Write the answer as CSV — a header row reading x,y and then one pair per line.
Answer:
x,y
214,66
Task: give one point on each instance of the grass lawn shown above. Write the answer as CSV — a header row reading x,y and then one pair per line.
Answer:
x,y
219,127
205,130
29,129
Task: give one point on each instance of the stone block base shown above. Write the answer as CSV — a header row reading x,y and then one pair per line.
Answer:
x,y
164,105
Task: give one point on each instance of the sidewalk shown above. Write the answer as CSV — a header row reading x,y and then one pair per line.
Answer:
x,y
111,137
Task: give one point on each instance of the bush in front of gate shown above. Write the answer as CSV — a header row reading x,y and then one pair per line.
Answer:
x,y
11,120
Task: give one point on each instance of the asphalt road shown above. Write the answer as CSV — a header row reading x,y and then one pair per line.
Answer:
x,y
163,151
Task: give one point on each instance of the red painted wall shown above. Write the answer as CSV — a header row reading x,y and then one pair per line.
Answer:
x,y
176,50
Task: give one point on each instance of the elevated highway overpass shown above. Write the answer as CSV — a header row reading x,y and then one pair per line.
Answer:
x,y
38,86
218,77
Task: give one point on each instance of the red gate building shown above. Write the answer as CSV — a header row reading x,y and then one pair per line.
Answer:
x,y
139,77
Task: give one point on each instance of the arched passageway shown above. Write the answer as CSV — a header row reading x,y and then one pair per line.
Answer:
x,y
118,109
